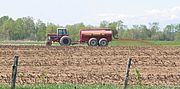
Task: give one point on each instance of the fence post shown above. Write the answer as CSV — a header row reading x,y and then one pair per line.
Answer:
x,y
14,71
127,73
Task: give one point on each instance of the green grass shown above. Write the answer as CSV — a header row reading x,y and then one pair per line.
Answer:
x,y
126,43
113,43
73,86
166,43
22,42
143,43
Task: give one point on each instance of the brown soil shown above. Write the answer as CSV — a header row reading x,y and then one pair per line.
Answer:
x,y
90,65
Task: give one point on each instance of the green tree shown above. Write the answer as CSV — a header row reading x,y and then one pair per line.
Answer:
x,y
8,28
51,28
138,32
177,34
29,27
90,26
120,28
116,27
74,30
113,26
4,34
40,31
3,20
144,32
104,24
19,33
169,32
135,32
154,28
25,29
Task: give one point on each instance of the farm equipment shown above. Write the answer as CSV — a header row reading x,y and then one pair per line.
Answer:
x,y
62,37
93,37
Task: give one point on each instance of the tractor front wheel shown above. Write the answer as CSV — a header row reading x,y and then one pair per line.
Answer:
x,y
48,43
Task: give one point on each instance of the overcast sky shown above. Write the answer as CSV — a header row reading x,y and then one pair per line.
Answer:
x,y
64,12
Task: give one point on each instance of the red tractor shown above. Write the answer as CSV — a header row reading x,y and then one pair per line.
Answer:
x,y
62,37
93,37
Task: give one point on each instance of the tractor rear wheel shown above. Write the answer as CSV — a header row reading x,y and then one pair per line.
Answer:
x,y
103,42
93,42
65,40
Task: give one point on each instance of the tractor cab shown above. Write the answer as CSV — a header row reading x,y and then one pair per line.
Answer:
x,y
62,31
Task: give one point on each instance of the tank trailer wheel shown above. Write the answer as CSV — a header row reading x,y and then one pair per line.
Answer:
x,y
93,42
103,42
65,41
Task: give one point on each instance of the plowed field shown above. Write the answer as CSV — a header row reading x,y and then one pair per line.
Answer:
x,y
90,65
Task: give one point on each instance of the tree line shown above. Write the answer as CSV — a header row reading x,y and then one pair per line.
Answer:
x,y
26,28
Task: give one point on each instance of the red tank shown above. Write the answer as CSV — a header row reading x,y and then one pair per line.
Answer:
x,y
94,37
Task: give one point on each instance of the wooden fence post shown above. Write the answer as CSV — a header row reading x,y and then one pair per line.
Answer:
x,y
127,73
14,71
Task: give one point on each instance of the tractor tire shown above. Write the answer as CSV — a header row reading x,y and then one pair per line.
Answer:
x,y
103,42
65,41
93,42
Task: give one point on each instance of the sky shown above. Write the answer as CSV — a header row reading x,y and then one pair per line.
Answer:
x,y
63,12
